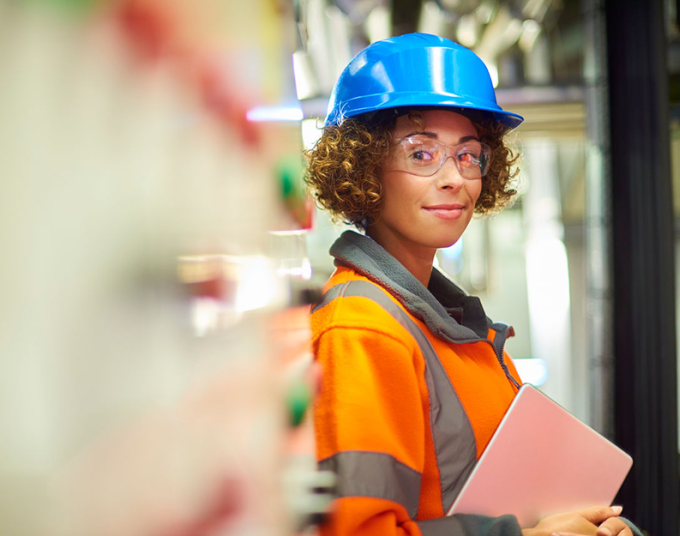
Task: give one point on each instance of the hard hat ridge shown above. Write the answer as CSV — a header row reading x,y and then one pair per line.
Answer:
x,y
416,70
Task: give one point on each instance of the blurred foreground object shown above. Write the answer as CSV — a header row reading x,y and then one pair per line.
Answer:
x,y
309,491
138,386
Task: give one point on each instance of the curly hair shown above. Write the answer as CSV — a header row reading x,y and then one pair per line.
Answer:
x,y
344,167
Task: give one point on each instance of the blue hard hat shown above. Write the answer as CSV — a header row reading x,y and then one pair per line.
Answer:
x,y
416,70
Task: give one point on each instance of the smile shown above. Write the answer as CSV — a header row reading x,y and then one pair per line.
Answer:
x,y
446,212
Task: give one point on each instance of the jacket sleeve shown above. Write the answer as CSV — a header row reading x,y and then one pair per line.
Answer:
x,y
370,429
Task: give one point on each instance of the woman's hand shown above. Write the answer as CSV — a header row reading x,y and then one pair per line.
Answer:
x,y
594,521
614,527
610,527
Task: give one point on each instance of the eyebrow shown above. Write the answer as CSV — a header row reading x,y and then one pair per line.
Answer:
x,y
435,136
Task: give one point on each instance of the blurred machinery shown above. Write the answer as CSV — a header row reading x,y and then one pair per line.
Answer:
x,y
517,39
143,388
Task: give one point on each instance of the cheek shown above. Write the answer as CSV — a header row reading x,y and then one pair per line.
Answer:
x,y
474,189
399,190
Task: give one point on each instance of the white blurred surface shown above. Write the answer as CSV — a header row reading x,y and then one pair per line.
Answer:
x,y
115,418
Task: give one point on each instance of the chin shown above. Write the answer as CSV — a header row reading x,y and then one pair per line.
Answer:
x,y
444,242
442,237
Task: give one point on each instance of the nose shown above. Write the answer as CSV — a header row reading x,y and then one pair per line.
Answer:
x,y
449,177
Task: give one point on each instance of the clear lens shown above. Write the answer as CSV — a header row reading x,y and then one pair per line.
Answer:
x,y
425,156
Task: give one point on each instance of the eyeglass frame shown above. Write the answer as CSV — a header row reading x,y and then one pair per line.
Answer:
x,y
450,153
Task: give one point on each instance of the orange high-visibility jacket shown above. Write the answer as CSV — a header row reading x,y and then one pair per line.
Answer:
x,y
415,382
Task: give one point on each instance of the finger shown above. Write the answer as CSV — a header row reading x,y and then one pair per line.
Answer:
x,y
614,527
597,514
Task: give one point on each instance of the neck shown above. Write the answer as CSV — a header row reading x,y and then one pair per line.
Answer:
x,y
417,260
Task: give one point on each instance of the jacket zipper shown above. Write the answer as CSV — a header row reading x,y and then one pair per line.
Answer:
x,y
502,333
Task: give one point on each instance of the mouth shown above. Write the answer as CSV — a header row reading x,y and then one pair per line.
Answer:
x,y
446,212
452,206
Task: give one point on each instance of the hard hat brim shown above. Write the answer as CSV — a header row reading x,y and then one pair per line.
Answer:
x,y
373,103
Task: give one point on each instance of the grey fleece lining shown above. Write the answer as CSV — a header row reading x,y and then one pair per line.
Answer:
x,y
370,259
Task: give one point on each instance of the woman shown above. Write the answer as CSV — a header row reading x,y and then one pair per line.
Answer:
x,y
415,376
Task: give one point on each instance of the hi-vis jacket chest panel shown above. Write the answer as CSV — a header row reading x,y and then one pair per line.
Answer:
x,y
423,467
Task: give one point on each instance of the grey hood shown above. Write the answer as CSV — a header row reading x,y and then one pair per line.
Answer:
x,y
445,308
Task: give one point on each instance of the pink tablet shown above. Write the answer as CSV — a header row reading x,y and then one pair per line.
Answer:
x,y
542,460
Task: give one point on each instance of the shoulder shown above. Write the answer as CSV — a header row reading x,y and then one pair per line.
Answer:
x,y
348,304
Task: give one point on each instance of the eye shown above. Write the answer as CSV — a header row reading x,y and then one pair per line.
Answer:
x,y
422,152
421,155
469,157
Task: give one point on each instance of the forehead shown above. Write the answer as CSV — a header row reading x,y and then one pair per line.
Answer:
x,y
449,126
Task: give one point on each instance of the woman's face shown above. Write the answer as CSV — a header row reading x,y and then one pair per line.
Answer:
x,y
422,214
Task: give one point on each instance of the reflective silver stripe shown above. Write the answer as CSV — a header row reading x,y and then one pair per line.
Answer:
x,y
442,526
454,440
375,474
330,295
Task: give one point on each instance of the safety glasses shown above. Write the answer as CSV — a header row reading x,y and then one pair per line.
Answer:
x,y
425,156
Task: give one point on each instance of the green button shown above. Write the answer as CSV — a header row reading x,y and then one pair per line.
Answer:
x,y
298,400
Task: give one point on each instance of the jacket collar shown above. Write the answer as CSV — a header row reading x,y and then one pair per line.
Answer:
x,y
447,311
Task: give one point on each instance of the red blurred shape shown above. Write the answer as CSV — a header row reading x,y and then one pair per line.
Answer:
x,y
210,288
226,505
153,30
226,100
148,26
